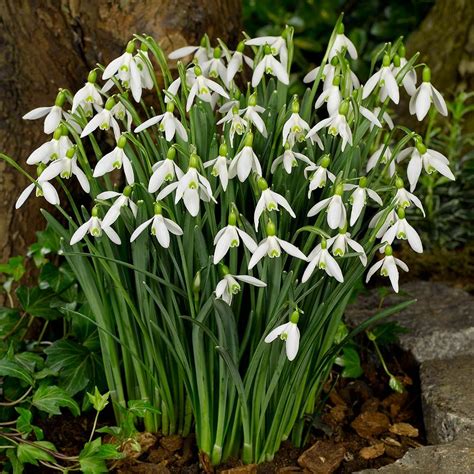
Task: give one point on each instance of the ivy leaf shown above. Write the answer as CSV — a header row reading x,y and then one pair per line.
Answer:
x,y
8,319
56,278
351,362
387,333
36,302
17,466
28,453
94,454
98,401
14,267
24,426
51,398
10,368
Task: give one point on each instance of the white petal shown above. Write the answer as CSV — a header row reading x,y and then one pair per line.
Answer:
x,y
80,233
140,229
423,102
37,113
183,52
148,123
319,207
112,235
291,249
260,251
251,280
373,269
24,195
272,335
292,342
439,102
50,193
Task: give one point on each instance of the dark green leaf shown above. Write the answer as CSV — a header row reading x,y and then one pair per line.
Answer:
x,y
8,318
56,278
351,362
28,453
9,368
51,398
36,302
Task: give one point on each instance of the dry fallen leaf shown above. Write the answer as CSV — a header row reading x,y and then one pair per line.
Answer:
x,y
404,429
370,424
372,452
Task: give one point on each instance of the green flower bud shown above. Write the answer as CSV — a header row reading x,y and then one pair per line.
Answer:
x,y
252,102
363,182
203,42
271,229
95,211
193,160
386,60
58,133
388,251
217,52
60,99
223,149
421,147
340,29
325,161
336,81
127,191
197,282
324,244
248,141
426,74
344,107
295,105
402,50
224,269
339,189
295,317
122,141
171,154
399,183
92,77
197,70
71,152
158,209
267,49
396,60
143,47
401,213
334,61
262,184
64,130
170,107
130,47
232,218
110,104
241,47
343,230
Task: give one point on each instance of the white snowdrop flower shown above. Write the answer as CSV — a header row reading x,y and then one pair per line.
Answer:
x,y
383,156
164,171
388,267
426,94
192,188
219,166
272,246
336,211
269,200
173,88
331,96
122,200
329,71
390,219
295,128
409,79
340,243
358,198
289,333
342,42
126,69
43,189
229,105
373,117
94,226
322,259
53,114
119,112
202,88
336,125
404,198
143,62
236,63
385,78
422,157
252,115
200,53
245,161
289,160
115,160
161,227
229,237
88,94
65,168
169,124
229,286
103,120
237,123
276,45
401,229
215,67
52,150
319,174
269,65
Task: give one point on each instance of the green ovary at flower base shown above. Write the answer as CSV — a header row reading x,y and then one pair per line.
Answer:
x,y
187,310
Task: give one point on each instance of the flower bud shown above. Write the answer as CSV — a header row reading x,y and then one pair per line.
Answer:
x,y
295,317
60,99
40,168
92,77
95,211
267,49
203,42
122,141
71,152
223,149
197,282
324,244
271,228
224,269
197,70
402,50
399,183
344,107
426,74
171,153
325,161
170,107
396,60
143,47
421,147
262,184
58,133
241,47
127,191
110,104
386,60
388,251
193,160
363,182
339,189
252,102
157,209
217,52
336,81
295,105
130,47
232,218
340,29
334,61
248,141
401,213
343,230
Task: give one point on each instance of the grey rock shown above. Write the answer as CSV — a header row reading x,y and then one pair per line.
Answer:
x,y
440,323
447,391
451,458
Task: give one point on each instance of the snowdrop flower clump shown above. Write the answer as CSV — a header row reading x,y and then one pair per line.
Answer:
x,y
229,221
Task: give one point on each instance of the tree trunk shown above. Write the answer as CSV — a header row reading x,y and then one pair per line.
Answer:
x,y
48,44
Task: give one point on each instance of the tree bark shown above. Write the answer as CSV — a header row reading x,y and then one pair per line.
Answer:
x,y
48,44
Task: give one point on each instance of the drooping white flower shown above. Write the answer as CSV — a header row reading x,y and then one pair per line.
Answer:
x,y
289,333
161,227
289,160
94,226
200,53
245,161
237,123
119,112
219,166
229,286
422,157
295,127
115,160
202,88
340,242
336,211
383,156
373,117
169,124
388,267
269,65
319,174
142,60
385,78
276,45
270,201
336,125
215,67
192,188
322,259
329,71
424,96
53,114
237,61
44,189
272,247
65,168
390,219
52,150
87,95
409,79
401,229
229,237
358,198
342,42
331,96
164,171
252,115
404,198
103,120
123,200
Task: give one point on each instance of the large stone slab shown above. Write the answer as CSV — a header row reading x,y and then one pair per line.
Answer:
x,y
447,391
441,322
451,458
